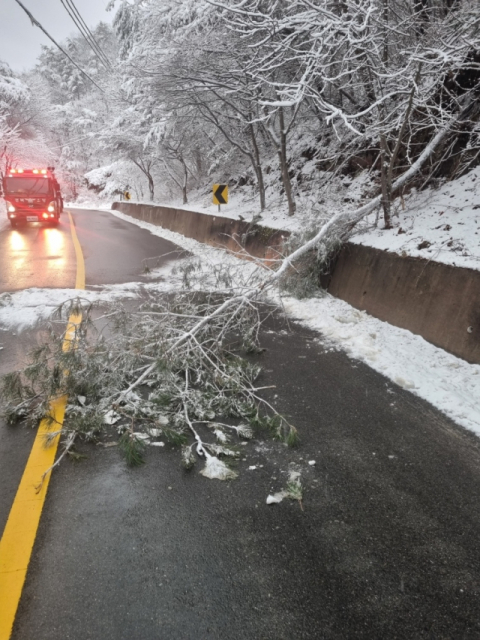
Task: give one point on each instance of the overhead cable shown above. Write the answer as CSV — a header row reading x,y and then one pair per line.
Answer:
x,y
36,23
85,34
79,22
87,29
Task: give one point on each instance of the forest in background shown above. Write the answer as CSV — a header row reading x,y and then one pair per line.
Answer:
x,y
178,95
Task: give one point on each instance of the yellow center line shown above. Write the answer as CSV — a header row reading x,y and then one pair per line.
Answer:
x,y
20,531
80,279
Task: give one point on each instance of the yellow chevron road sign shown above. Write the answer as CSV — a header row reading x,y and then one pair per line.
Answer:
x,y
220,193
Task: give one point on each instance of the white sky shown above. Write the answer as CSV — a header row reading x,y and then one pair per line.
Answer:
x,y
20,41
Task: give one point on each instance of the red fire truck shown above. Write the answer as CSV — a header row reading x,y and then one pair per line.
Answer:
x,y
32,195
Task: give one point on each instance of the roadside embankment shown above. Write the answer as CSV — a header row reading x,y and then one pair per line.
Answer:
x,y
439,302
238,236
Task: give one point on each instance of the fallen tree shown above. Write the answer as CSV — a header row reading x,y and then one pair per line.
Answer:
x,y
179,368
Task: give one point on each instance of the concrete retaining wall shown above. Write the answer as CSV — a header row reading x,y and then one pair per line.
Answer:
x,y
235,235
439,302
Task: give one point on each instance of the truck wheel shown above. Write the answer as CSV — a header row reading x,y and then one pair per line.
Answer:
x,y
13,224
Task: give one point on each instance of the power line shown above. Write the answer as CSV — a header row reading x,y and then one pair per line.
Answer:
x,y
97,46
79,22
84,34
36,23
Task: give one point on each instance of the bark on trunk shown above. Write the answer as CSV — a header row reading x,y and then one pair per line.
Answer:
x,y
257,165
386,183
145,169
185,181
282,155
151,187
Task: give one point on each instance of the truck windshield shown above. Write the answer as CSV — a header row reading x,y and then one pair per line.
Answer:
x,y
26,186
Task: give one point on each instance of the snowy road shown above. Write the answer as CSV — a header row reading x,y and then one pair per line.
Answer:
x,y
386,546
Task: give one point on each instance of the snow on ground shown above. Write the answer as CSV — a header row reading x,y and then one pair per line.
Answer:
x,y
90,205
205,251
442,225
447,382
23,309
4,223
317,193
242,206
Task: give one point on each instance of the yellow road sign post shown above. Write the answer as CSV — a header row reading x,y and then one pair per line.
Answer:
x,y
220,194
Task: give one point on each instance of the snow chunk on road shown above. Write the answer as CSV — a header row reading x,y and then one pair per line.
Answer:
x,y
111,417
215,469
276,497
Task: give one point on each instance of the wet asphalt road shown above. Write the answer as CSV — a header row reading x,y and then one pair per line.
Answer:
x,y
386,545
31,256
115,251
15,444
36,255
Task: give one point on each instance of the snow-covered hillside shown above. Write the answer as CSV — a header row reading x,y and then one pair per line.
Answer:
x,y
437,224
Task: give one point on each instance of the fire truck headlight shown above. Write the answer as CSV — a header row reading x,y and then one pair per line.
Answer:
x,y
51,207
10,207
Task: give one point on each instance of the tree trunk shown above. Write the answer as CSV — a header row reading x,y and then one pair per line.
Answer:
x,y
146,171
257,165
282,155
386,182
151,186
185,179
